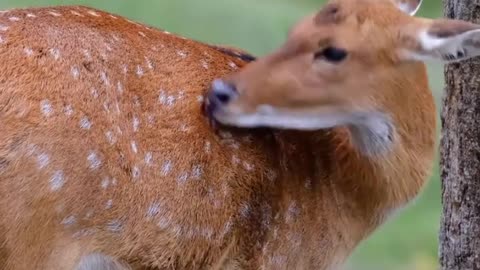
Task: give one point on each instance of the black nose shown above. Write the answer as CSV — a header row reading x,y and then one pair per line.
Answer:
x,y
222,92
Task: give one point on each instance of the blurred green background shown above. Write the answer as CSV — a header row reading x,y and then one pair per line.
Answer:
x,y
409,240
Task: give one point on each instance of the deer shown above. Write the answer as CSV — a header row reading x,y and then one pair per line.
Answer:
x,y
123,146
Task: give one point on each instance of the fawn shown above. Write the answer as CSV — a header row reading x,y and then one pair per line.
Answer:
x,y
107,162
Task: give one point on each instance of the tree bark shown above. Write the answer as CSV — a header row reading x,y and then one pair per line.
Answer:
x,y
460,154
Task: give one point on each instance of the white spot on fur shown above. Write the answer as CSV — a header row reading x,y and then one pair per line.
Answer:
x,y
142,34
76,13
279,260
148,158
94,93
204,64
207,147
119,87
116,38
225,189
200,99
3,28
109,204
104,77
184,128
55,53
197,171
271,175
68,110
68,221
43,160
94,161
14,19
245,210
93,13
136,101
85,123
249,167
292,212
177,231
125,69
153,210
105,182
106,106
57,181
182,178
234,144
133,144
182,54
149,63
136,123
30,15
46,107
87,55
181,94
165,99
114,181
226,228
207,233
75,72
135,172
83,233
55,14
235,159
225,134
233,65
89,214
151,119
2,40
28,51
166,167
114,226
140,71
275,232
163,222
110,137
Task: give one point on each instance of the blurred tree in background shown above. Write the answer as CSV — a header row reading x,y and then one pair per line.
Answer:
x,y
409,240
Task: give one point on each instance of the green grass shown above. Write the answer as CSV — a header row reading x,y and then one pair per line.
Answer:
x,y
408,241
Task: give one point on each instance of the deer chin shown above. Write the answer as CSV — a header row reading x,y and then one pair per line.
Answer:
x,y
372,132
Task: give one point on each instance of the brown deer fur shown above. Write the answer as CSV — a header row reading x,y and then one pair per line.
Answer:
x,y
106,158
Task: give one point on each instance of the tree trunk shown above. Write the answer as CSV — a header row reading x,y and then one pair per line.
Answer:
x,y
460,155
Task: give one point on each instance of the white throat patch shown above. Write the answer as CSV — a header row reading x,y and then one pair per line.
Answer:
x,y
372,132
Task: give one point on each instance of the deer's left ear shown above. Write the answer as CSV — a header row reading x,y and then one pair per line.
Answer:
x,y
442,40
408,6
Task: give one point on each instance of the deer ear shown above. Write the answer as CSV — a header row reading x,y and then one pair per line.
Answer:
x,y
408,6
442,40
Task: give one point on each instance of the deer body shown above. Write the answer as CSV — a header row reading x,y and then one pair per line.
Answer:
x,y
104,153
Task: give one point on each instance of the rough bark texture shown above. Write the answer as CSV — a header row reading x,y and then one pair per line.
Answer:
x,y
460,155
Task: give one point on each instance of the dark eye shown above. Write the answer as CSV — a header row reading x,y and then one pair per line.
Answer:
x,y
331,54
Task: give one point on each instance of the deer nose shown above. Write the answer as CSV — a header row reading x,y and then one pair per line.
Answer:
x,y
222,92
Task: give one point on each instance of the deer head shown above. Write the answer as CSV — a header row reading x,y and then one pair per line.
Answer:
x,y
342,66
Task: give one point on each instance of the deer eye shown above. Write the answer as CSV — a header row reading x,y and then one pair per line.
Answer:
x,y
331,54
